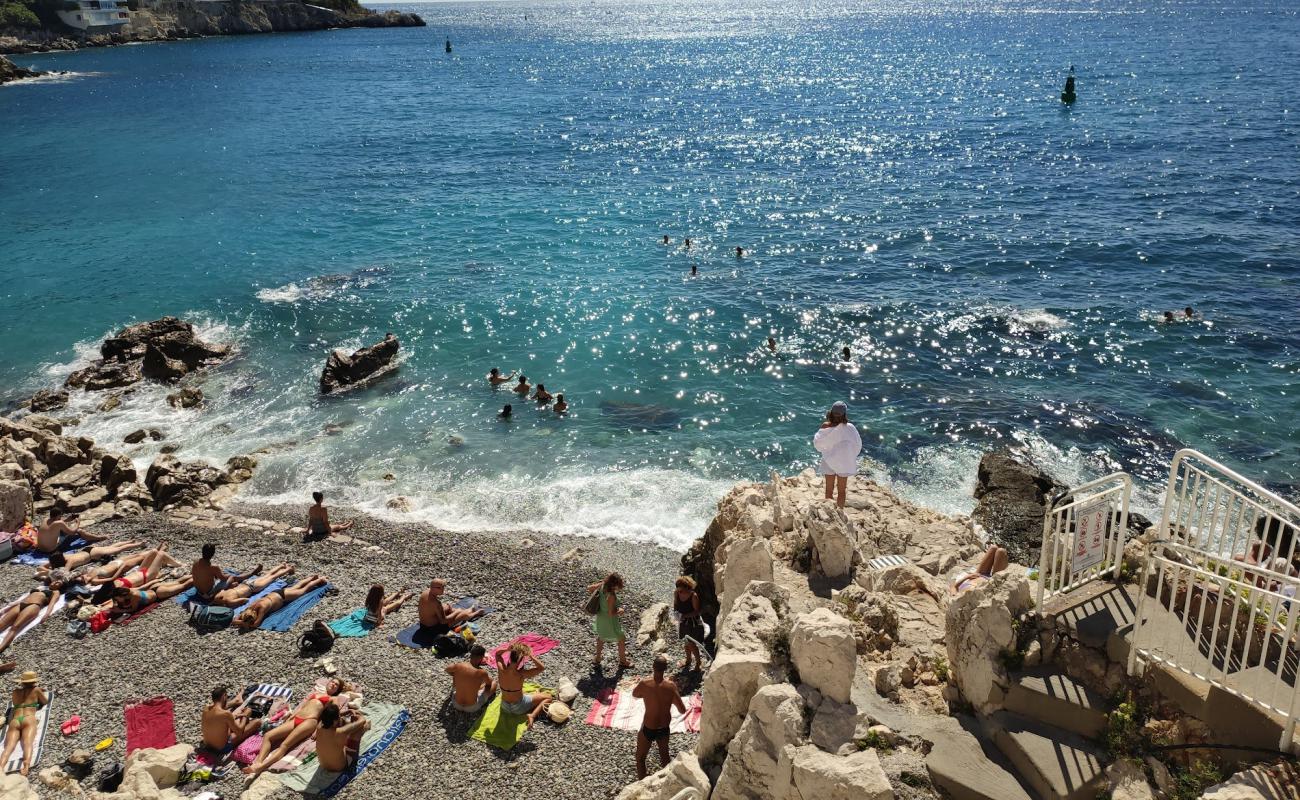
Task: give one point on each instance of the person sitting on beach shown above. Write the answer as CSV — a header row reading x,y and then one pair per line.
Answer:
x,y
24,721
660,696
335,735
81,558
256,613
377,606
222,728
840,444
606,624
318,518
436,614
56,535
282,739
496,378
506,412
994,561
132,571
542,396
512,670
238,594
561,406
472,687
38,601
690,627
523,387
132,600
209,579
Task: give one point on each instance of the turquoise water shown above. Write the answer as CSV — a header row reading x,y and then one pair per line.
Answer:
x,y
901,174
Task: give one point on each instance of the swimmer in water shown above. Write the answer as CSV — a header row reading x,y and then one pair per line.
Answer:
x,y
740,252
523,386
846,354
688,243
1189,313
560,406
771,344
1169,316
695,270
506,411
667,240
496,378
542,396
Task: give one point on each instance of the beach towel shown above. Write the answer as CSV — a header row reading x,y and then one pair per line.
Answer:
x,y
499,729
353,625
132,617
284,619
15,761
35,558
418,637
471,602
621,711
885,562
187,597
541,645
150,723
386,723
41,617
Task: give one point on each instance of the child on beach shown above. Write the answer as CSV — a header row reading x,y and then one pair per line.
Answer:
x,y
607,626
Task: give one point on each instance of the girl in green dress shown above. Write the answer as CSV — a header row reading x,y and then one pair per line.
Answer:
x,y
606,625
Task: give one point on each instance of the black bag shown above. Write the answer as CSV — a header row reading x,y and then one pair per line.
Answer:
x,y
451,645
111,778
259,707
318,639
592,606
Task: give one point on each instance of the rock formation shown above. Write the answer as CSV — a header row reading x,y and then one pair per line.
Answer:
x,y
9,71
365,366
980,630
165,350
174,484
1012,499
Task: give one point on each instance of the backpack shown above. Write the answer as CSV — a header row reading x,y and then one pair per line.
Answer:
x,y
592,606
318,639
211,618
450,645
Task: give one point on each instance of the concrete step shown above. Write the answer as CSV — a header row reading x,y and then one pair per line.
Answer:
x,y
1057,699
965,764
1055,763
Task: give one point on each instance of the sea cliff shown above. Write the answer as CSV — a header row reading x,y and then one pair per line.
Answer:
x,y
170,20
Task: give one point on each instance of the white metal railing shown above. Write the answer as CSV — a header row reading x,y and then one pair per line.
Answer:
x,y
1083,540
1213,509
1222,621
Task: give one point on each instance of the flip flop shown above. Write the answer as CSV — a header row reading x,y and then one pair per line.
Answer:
x,y
71,725
104,745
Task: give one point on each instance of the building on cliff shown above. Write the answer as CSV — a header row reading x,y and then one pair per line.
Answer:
x,y
95,16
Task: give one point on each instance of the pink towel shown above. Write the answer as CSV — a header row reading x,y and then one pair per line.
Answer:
x,y
540,645
150,724
622,711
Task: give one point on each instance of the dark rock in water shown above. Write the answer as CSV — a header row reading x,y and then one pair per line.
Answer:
x,y
168,449
136,436
104,375
369,364
9,71
129,343
164,349
159,367
1012,499
185,398
48,400
111,402
173,483
641,416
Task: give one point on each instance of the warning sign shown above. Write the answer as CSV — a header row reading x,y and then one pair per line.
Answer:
x,y
1090,535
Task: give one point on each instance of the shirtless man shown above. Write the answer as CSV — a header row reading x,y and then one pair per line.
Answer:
x,y
435,613
223,729
318,519
209,579
56,534
660,696
332,737
472,686
513,670
523,387
237,594
256,613
496,378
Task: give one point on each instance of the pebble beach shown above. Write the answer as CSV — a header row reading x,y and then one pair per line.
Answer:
x,y
522,575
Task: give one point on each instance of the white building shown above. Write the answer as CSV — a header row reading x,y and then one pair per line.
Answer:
x,y
95,16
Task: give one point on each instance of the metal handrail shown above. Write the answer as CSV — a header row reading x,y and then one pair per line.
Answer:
x,y
1057,527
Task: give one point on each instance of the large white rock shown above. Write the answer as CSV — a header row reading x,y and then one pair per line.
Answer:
x,y
15,505
823,651
758,763
1128,781
979,628
834,537
683,772
163,766
744,664
653,619
746,560
818,775
837,727
15,787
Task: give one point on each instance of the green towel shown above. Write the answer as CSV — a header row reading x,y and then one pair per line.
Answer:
x,y
352,625
311,779
499,729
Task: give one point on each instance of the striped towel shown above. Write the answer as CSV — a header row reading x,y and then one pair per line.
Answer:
x,y
275,690
15,761
41,617
622,711
885,562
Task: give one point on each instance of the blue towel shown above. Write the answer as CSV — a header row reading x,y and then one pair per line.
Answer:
x,y
353,625
282,620
471,602
418,637
35,558
188,595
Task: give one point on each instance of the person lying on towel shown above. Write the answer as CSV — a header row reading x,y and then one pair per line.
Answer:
x,y
97,554
256,613
237,594
155,591
338,737
282,739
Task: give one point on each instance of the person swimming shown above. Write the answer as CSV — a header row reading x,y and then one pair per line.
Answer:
x,y
523,386
542,396
695,270
667,240
496,378
1169,316
688,243
560,406
771,344
506,411
1189,313
846,354
740,252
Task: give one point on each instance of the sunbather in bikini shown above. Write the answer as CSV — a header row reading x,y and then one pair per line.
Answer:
x,y
133,599
27,701
21,614
994,561
280,740
134,570
80,559
236,595
209,579
257,611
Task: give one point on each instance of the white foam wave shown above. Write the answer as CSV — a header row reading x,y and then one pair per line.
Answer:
x,y
289,293
54,77
1036,320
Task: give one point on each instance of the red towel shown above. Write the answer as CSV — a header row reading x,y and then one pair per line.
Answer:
x,y
540,645
138,614
151,723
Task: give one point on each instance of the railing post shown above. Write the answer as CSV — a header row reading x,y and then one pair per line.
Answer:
x,y
1142,601
1042,557
1122,538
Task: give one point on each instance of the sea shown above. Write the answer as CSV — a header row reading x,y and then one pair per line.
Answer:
x,y
902,176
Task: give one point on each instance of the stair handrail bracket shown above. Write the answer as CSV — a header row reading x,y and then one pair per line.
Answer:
x,y
1083,540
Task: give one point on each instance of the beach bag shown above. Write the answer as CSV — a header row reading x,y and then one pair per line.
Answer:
x,y
27,534
100,621
453,644
593,603
78,628
211,618
111,778
6,546
318,639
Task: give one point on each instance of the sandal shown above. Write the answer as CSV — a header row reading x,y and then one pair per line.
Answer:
x,y
104,745
71,725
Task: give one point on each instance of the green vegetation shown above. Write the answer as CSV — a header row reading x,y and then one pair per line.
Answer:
x,y
1124,730
874,741
1191,782
18,15
914,779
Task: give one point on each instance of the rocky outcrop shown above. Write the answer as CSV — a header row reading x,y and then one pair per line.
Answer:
x,y
9,71
818,775
823,652
173,483
15,505
188,397
48,400
365,366
981,630
164,350
1012,498
683,772
758,762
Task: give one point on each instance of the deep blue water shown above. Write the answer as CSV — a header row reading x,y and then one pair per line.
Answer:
x,y
902,174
